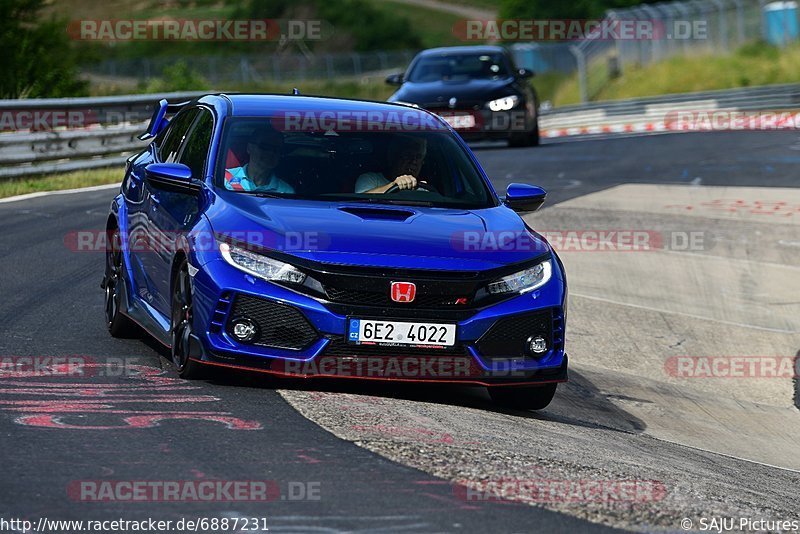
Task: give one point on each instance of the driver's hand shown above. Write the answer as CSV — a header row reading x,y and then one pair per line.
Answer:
x,y
406,181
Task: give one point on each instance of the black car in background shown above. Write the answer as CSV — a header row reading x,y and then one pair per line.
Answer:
x,y
477,89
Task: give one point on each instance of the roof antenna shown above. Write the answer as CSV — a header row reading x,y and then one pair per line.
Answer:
x,y
295,91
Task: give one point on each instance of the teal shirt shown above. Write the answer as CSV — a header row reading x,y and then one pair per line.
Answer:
x,y
237,179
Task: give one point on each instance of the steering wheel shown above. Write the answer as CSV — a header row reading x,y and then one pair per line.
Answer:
x,y
395,188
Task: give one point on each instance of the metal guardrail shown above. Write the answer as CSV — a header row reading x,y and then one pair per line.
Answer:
x,y
106,132
108,140
615,115
680,28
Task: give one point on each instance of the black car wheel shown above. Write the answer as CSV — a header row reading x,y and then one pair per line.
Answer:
x,y
530,138
524,398
119,325
534,135
181,325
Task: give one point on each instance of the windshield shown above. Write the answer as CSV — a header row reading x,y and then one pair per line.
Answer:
x,y
458,67
415,168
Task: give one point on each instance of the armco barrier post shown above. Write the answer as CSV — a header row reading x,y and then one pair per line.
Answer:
x,y
580,59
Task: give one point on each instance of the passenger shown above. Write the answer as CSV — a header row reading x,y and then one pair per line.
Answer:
x,y
259,173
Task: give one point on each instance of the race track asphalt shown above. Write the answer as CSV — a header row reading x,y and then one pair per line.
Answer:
x,y
128,418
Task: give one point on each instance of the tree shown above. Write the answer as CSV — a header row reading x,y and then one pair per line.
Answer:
x,y
38,59
356,24
559,9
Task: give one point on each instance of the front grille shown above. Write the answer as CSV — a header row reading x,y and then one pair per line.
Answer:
x,y
506,338
279,326
366,291
453,290
339,347
398,313
461,106
439,299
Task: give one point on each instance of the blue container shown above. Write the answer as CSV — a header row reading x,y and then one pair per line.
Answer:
x,y
530,57
780,22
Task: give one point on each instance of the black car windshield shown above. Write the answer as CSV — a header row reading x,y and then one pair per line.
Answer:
x,y
388,165
458,67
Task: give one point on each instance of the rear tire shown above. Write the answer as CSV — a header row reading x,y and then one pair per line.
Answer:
x,y
534,135
524,398
119,325
181,320
530,138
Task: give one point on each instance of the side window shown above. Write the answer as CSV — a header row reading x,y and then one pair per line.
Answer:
x,y
195,149
175,134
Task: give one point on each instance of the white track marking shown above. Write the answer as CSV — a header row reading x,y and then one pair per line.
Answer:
x,y
659,310
38,194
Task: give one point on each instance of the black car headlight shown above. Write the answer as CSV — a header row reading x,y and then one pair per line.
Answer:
x,y
260,265
523,281
503,104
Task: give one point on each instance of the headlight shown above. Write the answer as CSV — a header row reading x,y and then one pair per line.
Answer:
x,y
260,265
523,281
503,104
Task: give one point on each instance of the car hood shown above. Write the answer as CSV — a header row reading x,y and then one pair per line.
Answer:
x,y
374,235
441,91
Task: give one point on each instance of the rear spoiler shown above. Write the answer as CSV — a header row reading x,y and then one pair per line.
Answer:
x,y
159,120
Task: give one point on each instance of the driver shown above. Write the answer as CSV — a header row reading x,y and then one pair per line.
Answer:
x,y
406,155
258,174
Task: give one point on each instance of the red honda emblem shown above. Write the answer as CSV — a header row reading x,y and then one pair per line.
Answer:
x,y
403,291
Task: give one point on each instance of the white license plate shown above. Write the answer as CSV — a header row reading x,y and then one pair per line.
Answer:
x,y
460,121
367,331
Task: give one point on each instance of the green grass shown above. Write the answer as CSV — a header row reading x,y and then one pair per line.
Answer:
x,y
59,182
368,88
435,28
751,65
547,84
483,4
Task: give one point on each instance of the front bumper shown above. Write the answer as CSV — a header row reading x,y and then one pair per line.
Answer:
x,y
302,337
486,124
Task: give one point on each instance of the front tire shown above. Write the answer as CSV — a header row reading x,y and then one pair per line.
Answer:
x,y
181,320
530,138
524,398
119,325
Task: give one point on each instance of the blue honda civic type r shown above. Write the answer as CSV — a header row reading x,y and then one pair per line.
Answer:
x,y
312,237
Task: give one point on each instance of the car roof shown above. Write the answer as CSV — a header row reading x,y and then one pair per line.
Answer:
x,y
477,49
259,105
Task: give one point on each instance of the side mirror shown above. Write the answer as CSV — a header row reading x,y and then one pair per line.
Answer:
x,y
524,198
175,177
526,73
395,79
